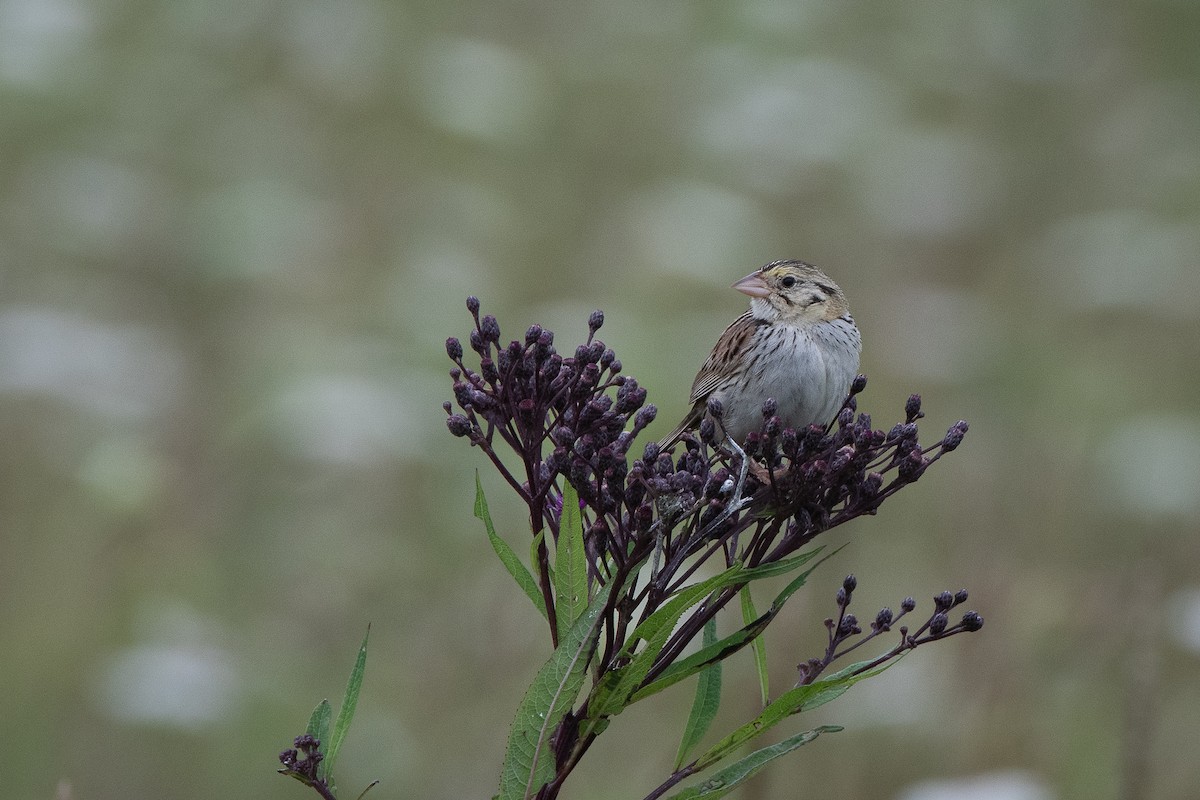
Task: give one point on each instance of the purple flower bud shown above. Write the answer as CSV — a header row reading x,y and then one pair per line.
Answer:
x,y
850,583
458,424
644,417
585,446
533,333
650,454
488,368
557,460
937,624
770,408
477,342
943,601
960,597
546,338
912,408
446,406
842,598
708,431
912,466
473,304
908,604
872,483
490,329
664,466
849,625
454,349
954,436
590,375
595,320
971,621
841,458
883,620
606,358
715,408
845,418
462,394
858,384
615,366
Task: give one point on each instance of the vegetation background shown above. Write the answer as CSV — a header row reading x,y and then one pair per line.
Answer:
x,y
234,235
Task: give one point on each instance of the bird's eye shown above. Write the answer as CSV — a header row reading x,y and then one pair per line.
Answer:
x,y
788,282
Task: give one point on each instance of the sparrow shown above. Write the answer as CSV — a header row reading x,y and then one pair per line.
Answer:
x,y
797,344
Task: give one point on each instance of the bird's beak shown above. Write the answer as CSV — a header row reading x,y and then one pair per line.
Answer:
x,y
753,285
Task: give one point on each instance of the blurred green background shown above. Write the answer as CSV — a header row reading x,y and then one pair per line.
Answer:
x,y
234,235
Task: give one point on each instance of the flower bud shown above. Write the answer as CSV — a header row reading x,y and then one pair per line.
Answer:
x,y
458,424
912,408
490,329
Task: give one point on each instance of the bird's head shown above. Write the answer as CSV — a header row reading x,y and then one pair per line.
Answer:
x,y
793,291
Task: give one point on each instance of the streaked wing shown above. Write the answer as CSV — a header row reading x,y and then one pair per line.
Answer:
x,y
725,356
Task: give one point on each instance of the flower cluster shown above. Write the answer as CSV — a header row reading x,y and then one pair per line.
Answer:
x,y
569,418
845,628
562,416
304,769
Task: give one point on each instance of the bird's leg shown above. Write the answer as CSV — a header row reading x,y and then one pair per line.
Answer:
x,y
736,500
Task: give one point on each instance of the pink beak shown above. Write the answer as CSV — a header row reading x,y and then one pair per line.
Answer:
x,y
753,285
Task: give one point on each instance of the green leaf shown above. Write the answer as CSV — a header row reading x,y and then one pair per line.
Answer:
x,y
730,644
318,728
370,786
708,700
506,554
346,713
728,779
749,615
612,695
702,658
791,588
801,698
782,566
570,564
528,762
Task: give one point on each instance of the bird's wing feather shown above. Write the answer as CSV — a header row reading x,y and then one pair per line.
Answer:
x,y
732,343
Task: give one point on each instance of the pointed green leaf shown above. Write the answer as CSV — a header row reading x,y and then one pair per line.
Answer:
x,y
702,658
570,564
318,728
728,779
528,762
370,786
749,615
731,644
706,703
506,554
612,695
801,698
791,588
346,713
782,566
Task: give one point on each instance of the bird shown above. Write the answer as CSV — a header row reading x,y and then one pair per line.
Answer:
x,y
796,344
